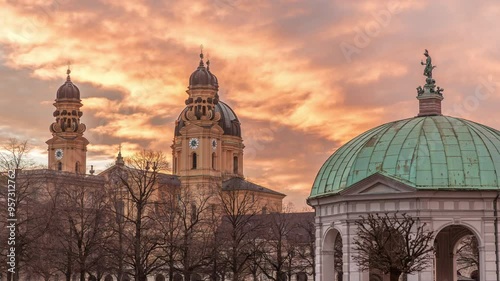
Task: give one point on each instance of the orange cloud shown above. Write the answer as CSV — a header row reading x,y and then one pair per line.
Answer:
x,y
280,66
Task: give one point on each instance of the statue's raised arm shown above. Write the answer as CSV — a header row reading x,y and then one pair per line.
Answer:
x,y
428,65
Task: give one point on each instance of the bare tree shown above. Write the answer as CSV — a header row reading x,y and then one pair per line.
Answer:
x,y
305,247
392,244
194,211
256,260
236,230
31,220
81,223
338,257
120,241
15,155
167,215
468,254
277,253
140,183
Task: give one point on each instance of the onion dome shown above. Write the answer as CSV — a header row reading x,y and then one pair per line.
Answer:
x,y
430,152
228,120
202,77
68,90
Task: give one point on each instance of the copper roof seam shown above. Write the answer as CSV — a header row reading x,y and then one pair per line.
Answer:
x,y
424,135
475,149
359,148
329,167
446,152
417,123
473,125
400,147
388,145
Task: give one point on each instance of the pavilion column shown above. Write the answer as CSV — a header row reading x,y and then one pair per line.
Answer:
x,y
318,249
487,256
351,269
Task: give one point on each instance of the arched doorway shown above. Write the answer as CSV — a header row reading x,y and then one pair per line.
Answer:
x,y
457,254
108,278
332,262
160,277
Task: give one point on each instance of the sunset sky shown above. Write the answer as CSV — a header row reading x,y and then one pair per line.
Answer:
x,y
303,77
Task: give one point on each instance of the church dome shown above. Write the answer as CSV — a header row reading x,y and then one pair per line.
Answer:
x,y
68,90
228,120
431,152
202,77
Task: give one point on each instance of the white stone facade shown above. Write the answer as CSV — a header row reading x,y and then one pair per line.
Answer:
x,y
448,213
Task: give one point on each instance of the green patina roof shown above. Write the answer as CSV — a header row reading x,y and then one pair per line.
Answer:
x,y
430,152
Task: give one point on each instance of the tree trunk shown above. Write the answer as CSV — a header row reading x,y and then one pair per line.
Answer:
x,y
394,275
170,268
139,274
120,254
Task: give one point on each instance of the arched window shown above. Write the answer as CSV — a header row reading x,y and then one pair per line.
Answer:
x,y
77,167
213,160
235,164
59,166
195,161
175,165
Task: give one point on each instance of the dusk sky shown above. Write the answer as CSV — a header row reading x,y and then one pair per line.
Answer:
x,y
303,77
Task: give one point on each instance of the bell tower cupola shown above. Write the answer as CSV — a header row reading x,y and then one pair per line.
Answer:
x,y
207,146
67,148
203,95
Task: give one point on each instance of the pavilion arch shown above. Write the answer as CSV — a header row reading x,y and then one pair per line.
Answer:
x,y
470,227
446,242
330,239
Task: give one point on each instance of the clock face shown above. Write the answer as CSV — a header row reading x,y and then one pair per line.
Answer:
x,y
214,144
59,154
194,143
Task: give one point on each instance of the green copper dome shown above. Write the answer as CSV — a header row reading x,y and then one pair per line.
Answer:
x,y
433,152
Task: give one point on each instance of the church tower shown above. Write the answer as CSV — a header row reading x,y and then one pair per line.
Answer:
x,y
207,146
68,148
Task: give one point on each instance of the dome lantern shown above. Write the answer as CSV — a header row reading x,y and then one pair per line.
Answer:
x,y
68,90
202,77
429,96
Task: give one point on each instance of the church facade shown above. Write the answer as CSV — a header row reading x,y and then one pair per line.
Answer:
x,y
207,148
207,154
